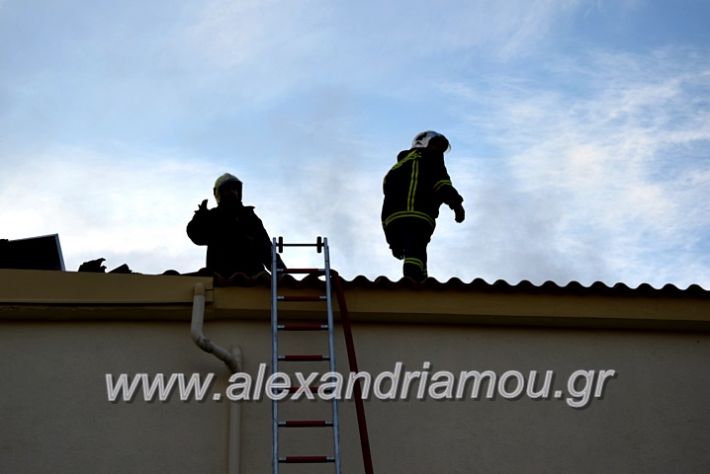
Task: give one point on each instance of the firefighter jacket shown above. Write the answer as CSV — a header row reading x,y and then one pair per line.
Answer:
x,y
235,238
416,186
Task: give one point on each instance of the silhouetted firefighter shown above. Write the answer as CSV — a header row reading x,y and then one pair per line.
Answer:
x,y
414,189
235,237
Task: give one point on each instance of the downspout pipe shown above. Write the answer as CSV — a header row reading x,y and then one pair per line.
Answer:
x,y
233,359
196,329
234,453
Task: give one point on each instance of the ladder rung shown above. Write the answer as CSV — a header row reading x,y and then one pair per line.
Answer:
x,y
301,245
319,271
301,298
305,423
302,327
303,357
306,459
310,388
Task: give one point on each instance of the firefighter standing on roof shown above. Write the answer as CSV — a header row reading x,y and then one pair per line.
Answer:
x,y
414,189
235,237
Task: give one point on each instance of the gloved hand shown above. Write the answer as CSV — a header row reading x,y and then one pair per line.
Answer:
x,y
202,207
459,213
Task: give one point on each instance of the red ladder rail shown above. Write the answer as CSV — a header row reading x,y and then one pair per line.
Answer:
x,y
352,361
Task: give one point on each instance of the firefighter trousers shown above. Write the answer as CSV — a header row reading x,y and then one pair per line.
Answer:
x,y
408,238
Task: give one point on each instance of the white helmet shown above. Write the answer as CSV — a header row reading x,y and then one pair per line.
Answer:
x,y
422,139
225,178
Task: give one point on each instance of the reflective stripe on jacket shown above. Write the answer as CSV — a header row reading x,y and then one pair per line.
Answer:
x,y
416,186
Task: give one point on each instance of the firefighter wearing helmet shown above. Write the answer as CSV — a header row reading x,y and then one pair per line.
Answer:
x,y
414,189
235,237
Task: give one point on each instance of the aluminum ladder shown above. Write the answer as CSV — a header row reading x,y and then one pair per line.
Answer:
x,y
277,327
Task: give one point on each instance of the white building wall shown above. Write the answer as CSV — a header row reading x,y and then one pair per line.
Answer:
x,y
55,417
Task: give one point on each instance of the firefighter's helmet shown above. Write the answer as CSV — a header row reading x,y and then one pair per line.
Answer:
x,y
423,139
222,180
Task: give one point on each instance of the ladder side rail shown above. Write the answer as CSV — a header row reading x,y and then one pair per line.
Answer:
x,y
331,354
352,361
274,358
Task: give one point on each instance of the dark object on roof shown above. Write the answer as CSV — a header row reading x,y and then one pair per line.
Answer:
x,y
121,269
97,266
93,266
35,253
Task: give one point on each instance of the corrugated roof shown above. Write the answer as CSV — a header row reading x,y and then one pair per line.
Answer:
x,y
479,285
52,295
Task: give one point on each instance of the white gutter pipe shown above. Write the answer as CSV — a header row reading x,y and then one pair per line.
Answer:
x,y
198,318
234,454
233,359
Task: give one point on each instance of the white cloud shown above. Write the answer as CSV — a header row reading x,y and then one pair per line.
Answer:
x,y
502,29
128,211
234,34
317,41
609,171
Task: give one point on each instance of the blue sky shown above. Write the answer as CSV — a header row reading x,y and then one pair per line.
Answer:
x,y
580,129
